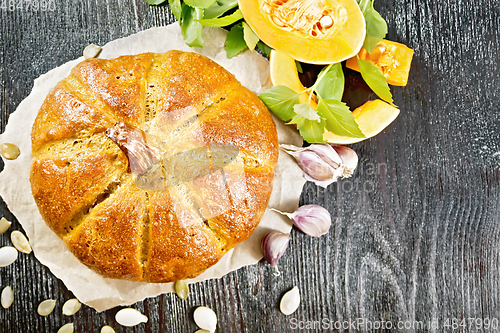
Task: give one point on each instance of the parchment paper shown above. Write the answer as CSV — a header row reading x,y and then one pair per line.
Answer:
x,y
250,69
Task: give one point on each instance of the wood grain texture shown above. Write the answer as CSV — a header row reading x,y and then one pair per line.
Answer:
x,y
416,232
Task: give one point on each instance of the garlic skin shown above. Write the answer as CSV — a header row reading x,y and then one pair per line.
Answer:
x,y
312,220
273,246
324,164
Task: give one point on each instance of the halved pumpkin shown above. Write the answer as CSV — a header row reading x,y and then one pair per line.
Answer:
x,y
393,59
310,31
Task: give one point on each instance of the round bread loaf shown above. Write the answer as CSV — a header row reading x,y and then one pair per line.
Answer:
x,y
151,167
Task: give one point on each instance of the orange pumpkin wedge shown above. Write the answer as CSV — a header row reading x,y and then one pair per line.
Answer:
x,y
371,117
393,59
310,31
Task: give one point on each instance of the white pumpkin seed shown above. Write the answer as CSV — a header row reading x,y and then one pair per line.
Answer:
x,y
67,328
91,51
20,242
4,225
205,318
290,301
130,317
71,307
46,307
107,329
7,297
202,331
182,289
8,255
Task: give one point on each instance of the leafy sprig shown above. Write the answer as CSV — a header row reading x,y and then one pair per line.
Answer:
x,y
313,118
376,27
192,15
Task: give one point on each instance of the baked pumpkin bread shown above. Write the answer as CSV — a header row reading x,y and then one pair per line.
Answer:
x,y
151,167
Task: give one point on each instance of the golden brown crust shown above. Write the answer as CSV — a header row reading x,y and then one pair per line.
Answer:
x,y
83,183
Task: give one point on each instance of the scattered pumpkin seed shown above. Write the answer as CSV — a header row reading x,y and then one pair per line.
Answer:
x,y
182,289
91,51
46,307
20,242
4,225
130,317
8,255
107,329
202,331
67,328
9,151
205,318
7,297
290,301
71,307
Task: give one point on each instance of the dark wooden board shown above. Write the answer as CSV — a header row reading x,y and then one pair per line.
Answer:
x,y
416,233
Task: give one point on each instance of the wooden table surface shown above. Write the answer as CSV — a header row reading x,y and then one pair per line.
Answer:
x,y
416,233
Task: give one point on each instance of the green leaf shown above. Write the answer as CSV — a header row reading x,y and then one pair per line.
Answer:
x,y
280,100
331,85
338,118
235,42
299,67
375,80
306,111
264,48
191,29
219,7
312,131
376,27
155,2
176,8
251,39
199,3
223,21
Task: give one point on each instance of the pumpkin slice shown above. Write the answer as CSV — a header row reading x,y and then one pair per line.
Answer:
x,y
371,117
283,72
393,59
310,31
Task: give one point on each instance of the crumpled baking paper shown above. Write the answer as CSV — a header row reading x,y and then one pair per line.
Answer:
x,y
250,69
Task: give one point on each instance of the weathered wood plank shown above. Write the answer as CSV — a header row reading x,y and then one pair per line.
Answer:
x,y
416,233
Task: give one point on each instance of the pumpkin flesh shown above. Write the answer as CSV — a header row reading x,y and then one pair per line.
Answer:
x,y
310,31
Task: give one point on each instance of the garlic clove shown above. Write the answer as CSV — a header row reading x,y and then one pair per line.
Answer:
x,y
107,329
7,297
71,307
20,242
290,301
314,166
8,255
67,328
4,225
182,289
273,246
312,220
327,153
130,317
349,160
205,318
46,307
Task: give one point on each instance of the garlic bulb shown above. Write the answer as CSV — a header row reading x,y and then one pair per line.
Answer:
x,y
323,164
273,246
312,220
